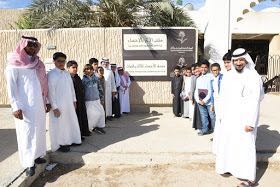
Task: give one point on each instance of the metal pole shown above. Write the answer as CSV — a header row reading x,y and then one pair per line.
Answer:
x,y
229,21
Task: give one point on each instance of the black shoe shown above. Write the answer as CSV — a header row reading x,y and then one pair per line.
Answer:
x,y
117,116
82,138
102,130
76,144
99,130
87,134
211,131
30,171
40,161
64,148
109,118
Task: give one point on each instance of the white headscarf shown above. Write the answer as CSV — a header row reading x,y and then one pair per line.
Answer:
x,y
104,59
242,53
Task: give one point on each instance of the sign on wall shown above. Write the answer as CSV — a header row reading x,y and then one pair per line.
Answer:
x,y
151,54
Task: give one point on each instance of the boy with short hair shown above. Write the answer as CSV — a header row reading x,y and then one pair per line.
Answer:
x,y
93,94
81,111
176,89
94,63
216,85
64,125
186,91
203,93
227,60
100,74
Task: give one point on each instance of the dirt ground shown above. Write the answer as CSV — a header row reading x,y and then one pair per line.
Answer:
x,y
151,175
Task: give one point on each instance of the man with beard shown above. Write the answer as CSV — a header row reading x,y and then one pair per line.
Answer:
x,y
28,89
240,97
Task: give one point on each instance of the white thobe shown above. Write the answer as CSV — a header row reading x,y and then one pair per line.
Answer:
x,y
124,94
110,87
240,97
25,93
64,130
217,104
95,114
186,90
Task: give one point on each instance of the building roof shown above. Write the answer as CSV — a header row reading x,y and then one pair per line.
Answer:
x,y
261,22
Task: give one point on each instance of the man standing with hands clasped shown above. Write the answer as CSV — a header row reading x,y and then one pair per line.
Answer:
x,y
240,97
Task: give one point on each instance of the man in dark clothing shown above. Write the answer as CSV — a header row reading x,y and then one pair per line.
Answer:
x,y
80,96
176,89
116,109
196,114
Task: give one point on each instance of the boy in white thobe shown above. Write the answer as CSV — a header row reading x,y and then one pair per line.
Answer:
x,y
216,85
186,92
64,125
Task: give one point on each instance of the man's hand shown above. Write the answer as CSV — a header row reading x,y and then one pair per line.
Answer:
x,y
18,114
248,128
75,105
48,108
212,108
201,102
173,95
56,113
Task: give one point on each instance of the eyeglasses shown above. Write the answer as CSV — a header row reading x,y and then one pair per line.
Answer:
x,y
32,44
61,61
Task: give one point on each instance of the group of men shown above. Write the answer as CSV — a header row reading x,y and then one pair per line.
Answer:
x,y
76,106
227,104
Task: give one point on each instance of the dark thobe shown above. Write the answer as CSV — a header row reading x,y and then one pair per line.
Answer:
x,y
102,82
116,108
176,89
81,107
197,124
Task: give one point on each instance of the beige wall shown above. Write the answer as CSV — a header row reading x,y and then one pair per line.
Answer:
x,y
80,45
9,17
274,57
274,45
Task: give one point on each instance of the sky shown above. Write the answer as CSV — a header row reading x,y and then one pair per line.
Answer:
x,y
196,3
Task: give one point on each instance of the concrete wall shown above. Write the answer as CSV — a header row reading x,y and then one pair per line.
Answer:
x,y
274,45
80,45
274,57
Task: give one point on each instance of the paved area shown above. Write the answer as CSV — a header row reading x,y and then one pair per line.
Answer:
x,y
149,176
144,139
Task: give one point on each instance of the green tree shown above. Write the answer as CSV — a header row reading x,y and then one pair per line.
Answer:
x,y
57,14
168,16
103,13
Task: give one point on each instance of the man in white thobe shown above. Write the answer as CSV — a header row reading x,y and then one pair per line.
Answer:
x,y
241,94
216,88
124,91
110,87
27,90
64,126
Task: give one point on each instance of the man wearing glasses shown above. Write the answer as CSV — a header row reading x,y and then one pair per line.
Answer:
x,y
64,126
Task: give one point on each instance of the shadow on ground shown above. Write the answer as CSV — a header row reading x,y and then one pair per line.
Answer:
x,y
118,130
8,144
267,143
